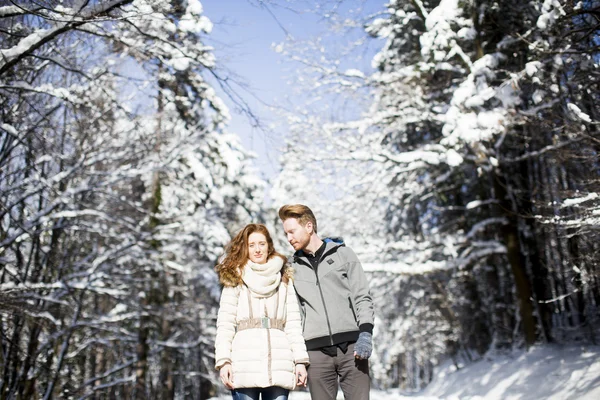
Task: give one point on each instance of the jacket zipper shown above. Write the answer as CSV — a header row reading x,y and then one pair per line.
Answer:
x,y
270,354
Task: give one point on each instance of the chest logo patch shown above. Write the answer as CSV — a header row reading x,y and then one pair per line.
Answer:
x,y
330,261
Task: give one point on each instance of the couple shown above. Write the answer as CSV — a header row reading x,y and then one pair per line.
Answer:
x,y
280,325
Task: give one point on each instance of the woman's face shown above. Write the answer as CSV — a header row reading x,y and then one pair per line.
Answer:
x,y
258,248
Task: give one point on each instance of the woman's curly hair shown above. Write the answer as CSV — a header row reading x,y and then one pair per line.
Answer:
x,y
236,256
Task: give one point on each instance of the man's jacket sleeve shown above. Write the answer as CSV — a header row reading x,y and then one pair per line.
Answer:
x,y
363,302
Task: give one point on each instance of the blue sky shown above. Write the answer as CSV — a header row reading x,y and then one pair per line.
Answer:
x,y
243,36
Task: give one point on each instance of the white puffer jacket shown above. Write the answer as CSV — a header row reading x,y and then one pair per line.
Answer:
x,y
261,356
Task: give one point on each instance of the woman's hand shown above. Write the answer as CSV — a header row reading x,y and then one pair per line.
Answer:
x,y
301,375
226,373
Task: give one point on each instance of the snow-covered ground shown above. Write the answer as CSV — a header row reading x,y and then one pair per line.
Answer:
x,y
544,372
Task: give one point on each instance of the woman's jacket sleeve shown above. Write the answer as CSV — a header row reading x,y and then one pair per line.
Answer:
x,y
293,327
226,325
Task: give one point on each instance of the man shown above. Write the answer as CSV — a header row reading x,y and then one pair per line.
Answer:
x,y
336,306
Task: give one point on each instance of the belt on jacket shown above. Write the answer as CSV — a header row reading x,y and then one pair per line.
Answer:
x,y
264,322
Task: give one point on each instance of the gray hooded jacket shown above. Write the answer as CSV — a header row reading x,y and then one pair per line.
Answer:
x,y
334,299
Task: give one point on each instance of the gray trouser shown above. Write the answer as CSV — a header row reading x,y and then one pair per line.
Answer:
x,y
324,371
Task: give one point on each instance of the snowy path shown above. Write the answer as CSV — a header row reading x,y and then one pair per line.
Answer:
x,y
545,372
548,372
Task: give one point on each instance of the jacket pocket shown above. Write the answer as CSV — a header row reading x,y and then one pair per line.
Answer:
x,y
302,313
351,305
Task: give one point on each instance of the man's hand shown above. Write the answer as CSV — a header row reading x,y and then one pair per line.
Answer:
x,y
301,375
226,373
363,346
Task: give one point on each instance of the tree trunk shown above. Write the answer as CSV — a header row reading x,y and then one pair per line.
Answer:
x,y
166,374
141,367
510,236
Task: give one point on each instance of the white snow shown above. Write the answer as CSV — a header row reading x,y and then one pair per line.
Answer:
x,y
453,158
354,73
439,39
551,10
6,10
413,268
545,372
10,129
194,7
24,44
468,33
550,372
538,96
483,224
191,23
575,201
577,111
531,68
180,63
118,309
467,120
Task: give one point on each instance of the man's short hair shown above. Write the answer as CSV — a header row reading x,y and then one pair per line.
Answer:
x,y
301,212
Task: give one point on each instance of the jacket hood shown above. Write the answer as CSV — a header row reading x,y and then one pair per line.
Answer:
x,y
330,243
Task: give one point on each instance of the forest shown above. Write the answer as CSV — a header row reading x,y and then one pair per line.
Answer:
x,y
463,168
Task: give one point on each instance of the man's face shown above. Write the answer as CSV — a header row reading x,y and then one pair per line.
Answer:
x,y
297,235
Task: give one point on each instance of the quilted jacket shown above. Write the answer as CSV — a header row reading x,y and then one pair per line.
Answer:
x,y
260,337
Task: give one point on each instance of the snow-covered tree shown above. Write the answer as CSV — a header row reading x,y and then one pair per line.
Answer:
x,y
473,150
119,184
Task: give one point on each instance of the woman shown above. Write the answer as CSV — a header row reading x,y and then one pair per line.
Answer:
x,y
259,346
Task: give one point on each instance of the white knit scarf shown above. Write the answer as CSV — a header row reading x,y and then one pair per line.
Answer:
x,y
263,279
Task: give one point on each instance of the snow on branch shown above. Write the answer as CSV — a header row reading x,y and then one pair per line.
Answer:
x,y
114,370
578,200
479,250
479,203
551,11
559,298
466,121
484,224
12,11
578,113
26,287
35,40
421,10
15,287
110,384
401,268
538,153
180,345
440,39
592,221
